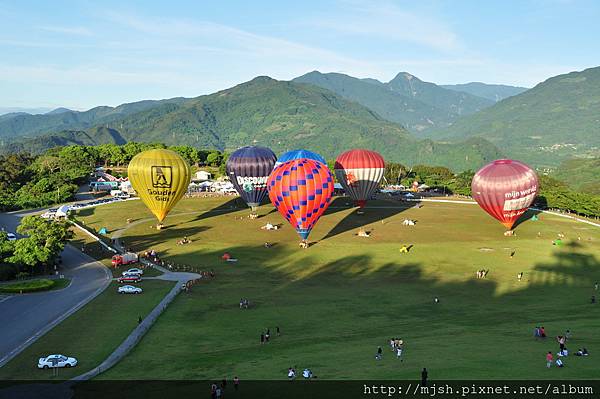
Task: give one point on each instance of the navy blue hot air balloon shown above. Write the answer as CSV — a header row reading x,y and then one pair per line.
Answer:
x,y
248,169
297,154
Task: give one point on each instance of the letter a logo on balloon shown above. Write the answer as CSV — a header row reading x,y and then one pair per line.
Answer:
x,y
162,177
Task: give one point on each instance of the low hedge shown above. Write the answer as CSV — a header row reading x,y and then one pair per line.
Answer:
x,y
27,286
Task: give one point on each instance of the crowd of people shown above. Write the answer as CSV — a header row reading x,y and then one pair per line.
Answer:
x,y
563,352
481,274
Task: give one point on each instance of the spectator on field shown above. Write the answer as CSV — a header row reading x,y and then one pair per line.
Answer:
x,y
379,353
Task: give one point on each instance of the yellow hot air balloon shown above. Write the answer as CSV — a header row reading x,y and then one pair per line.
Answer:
x,y
160,177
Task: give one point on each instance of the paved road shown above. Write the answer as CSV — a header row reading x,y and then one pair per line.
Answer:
x,y
24,318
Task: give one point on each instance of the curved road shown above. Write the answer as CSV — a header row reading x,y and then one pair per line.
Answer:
x,y
24,318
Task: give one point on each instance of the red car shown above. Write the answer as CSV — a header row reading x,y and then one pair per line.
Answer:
x,y
129,279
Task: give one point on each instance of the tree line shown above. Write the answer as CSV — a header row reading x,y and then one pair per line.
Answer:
x,y
32,181
28,181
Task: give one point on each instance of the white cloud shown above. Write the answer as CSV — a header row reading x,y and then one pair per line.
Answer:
x,y
390,22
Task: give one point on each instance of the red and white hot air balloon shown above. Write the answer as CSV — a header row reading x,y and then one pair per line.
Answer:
x,y
359,172
505,189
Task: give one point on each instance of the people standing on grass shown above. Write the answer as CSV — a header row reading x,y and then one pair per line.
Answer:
x,y
549,359
236,382
399,353
262,338
424,375
520,276
379,353
561,342
267,335
278,331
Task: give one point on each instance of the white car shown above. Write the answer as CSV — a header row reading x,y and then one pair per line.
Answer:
x,y
11,236
135,270
129,289
48,215
52,361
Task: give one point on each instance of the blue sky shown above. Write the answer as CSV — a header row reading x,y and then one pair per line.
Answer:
x,y
80,54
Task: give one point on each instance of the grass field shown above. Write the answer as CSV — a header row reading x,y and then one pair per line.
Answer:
x,y
90,334
35,285
344,296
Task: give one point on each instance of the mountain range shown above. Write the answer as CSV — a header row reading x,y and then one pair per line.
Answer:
x,y
556,120
407,119
278,114
406,99
491,92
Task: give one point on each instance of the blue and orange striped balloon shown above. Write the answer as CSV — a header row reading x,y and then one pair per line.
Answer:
x,y
301,190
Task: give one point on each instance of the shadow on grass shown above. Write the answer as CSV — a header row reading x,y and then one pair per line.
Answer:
x,y
354,221
141,243
527,216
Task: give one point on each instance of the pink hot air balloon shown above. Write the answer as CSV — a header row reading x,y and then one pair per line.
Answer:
x,y
359,172
505,189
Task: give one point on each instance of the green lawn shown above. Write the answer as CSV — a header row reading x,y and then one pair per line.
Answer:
x,y
90,334
338,300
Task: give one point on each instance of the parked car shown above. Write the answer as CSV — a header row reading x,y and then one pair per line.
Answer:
x,y
129,289
52,361
11,236
135,278
130,274
135,270
48,215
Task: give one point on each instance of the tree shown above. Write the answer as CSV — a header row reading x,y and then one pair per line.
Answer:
x,y
394,172
190,154
214,158
44,241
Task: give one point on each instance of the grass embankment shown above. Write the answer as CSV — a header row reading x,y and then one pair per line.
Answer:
x,y
90,334
344,296
37,285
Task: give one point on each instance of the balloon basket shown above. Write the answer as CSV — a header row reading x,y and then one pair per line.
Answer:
x,y
253,215
159,226
303,244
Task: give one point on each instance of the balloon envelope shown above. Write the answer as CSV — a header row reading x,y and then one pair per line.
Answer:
x,y
248,169
297,154
301,190
359,172
160,178
505,189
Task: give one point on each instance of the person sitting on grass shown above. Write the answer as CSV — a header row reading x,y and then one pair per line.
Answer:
x,y
563,352
307,374
537,332
291,373
542,332
559,363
